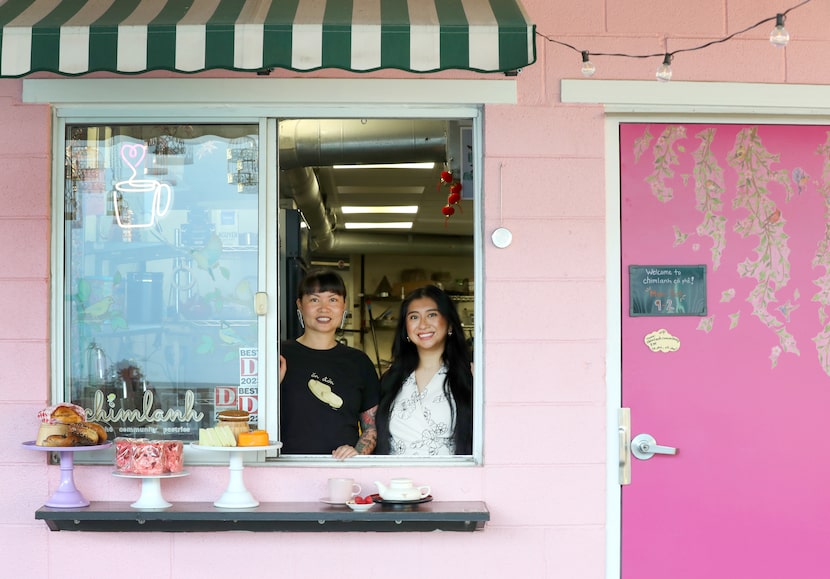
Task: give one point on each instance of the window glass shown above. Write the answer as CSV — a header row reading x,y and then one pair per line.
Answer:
x,y
390,206
161,244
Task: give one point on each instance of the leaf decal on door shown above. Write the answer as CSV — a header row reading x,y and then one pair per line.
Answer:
x,y
822,260
709,190
775,353
664,157
770,265
642,144
706,324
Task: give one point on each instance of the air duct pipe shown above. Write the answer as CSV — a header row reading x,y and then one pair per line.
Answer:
x,y
313,143
320,143
301,185
390,244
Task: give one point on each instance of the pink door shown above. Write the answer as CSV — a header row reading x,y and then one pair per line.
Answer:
x,y
742,391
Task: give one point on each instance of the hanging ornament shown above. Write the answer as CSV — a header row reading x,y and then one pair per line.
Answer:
x,y
448,211
446,179
454,198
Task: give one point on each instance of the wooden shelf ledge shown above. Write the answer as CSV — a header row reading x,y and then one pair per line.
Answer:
x,y
283,516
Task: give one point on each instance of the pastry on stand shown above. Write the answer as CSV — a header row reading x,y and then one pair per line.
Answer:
x,y
64,429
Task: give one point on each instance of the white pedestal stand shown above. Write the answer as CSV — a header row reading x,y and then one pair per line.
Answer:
x,y
236,496
151,497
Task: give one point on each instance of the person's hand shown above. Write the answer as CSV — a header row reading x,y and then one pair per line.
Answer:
x,y
283,367
344,452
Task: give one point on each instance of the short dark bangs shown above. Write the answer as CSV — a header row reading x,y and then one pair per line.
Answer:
x,y
319,281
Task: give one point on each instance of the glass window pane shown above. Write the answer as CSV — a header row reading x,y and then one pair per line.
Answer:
x,y
161,244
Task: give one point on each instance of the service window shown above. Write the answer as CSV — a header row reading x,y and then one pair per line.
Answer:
x,y
170,230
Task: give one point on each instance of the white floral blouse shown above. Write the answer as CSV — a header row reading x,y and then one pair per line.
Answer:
x,y
421,423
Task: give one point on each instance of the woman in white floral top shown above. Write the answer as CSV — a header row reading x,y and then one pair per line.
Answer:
x,y
426,406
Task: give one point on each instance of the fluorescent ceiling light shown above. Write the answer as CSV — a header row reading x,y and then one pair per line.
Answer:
x,y
352,209
389,166
379,225
380,190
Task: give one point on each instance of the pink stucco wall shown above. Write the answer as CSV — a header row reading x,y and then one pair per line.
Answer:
x,y
545,319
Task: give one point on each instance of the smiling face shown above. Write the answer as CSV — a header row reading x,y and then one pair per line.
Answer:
x,y
322,311
425,325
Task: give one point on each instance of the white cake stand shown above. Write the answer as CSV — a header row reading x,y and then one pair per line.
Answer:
x,y
236,496
151,497
67,496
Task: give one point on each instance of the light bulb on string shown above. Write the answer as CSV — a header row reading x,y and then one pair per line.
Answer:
x,y
588,68
664,71
779,36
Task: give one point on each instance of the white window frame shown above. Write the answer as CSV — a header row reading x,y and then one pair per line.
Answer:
x,y
136,100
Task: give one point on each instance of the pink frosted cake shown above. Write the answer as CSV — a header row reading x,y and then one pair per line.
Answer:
x,y
148,457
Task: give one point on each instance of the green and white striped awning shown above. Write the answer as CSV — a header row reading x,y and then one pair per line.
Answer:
x,y
74,37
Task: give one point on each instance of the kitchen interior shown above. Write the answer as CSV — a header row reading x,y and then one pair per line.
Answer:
x,y
369,198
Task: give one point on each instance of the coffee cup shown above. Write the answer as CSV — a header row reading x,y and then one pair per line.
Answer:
x,y
141,198
342,490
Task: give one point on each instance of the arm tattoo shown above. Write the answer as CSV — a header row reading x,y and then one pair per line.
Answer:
x,y
369,438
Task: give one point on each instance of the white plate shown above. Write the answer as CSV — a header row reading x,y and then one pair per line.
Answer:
x,y
360,507
118,473
328,501
272,445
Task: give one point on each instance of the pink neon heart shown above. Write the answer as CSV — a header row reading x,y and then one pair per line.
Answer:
x,y
133,155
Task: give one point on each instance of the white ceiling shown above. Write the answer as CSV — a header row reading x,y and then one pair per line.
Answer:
x,y
420,187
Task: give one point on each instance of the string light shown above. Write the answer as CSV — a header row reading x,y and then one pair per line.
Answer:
x,y
588,68
664,70
779,37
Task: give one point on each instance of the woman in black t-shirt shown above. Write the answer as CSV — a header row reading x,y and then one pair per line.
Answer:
x,y
328,391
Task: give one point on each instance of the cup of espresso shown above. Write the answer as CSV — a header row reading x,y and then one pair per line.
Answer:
x,y
341,490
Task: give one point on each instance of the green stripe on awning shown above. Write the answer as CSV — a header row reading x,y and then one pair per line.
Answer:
x,y
74,37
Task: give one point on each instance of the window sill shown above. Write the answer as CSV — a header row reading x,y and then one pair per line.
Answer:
x,y
283,516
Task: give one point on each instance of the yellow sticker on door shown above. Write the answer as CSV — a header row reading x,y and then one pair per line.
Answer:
x,y
662,341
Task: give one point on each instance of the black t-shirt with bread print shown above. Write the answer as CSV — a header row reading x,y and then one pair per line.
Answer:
x,y
322,396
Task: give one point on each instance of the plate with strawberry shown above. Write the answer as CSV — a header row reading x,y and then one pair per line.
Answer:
x,y
361,504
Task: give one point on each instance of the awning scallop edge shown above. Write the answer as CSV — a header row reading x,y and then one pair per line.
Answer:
x,y
75,37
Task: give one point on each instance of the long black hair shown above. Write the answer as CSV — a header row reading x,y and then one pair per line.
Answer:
x,y
458,384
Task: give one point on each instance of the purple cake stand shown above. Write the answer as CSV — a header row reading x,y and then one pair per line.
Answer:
x,y
67,496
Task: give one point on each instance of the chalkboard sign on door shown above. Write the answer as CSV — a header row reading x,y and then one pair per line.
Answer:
x,y
667,290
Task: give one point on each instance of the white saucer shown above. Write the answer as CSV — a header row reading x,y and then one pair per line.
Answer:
x,y
328,501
